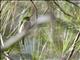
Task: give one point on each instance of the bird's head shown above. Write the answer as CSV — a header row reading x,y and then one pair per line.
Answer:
x,y
25,19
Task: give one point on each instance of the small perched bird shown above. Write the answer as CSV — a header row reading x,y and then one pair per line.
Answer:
x,y
25,26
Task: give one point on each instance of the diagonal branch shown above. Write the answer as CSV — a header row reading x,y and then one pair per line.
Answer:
x,y
33,5
12,40
73,46
73,3
62,10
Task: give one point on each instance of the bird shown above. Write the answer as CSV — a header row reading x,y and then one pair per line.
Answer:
x,y
25,26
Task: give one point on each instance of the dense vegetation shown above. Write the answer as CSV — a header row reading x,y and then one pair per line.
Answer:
x,y
57,39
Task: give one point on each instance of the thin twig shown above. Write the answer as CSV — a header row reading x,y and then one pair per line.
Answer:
x,y
46,10
44,46
73,46
34,5
62,10
35,14
73,3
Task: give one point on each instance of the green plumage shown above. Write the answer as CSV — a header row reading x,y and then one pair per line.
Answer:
x,y
26,18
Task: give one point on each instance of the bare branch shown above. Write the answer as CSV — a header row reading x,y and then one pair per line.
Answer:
x,y
26,31
34,5
73,46
73,3
62,10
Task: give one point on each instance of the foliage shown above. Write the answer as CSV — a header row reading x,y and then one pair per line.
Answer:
x,y
52,40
